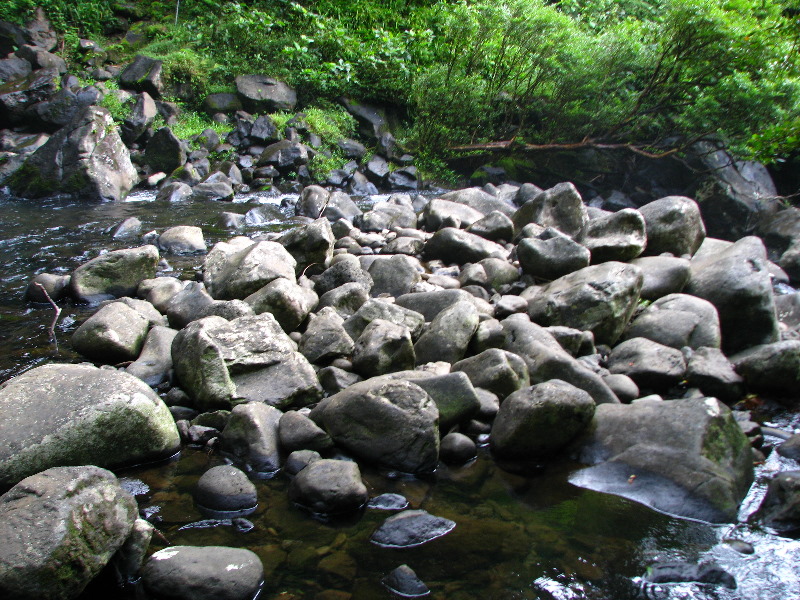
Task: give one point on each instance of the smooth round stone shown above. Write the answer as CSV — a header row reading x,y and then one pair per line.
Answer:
x,y
299,460
411,528
388,502
404,582
226,489
457,449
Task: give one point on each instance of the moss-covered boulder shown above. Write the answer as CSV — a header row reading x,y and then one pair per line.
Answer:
x,y
57,415
59,529
114,274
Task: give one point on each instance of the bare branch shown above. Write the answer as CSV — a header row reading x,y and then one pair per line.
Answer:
x,y
57,313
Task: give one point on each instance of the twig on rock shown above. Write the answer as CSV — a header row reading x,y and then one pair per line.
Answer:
x,y
57,313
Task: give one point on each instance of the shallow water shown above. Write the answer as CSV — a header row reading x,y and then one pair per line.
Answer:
x,y
515,537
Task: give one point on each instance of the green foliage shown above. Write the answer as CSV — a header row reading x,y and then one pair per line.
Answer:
x,y
118,108
192,123
85,16
331,124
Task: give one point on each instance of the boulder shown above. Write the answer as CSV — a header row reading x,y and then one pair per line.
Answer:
x,y
457,449
288,302
262,94
13,67
176,191
496,370
403,582
225,488
250,359
59,529
536,422
212,191
143,75
285,156
454,396
159,291
689,457
78,414
381,348
650,365
325,338
85,159
154,363
164,151
203,573
341,273
449,334
241,267
678,320
297,432
389,422
551,255
599,298
222,103
329,487
430,304
709,370
618,236
55,286
114,334
495,226
394,276
736,281
453,245
663,275
18,95
479,200
673,225
188,305
560,207
440,213
182,239
311,246
251,436
141,116
375,308
345,299
780,509
113,274
386,215
411,528
772,368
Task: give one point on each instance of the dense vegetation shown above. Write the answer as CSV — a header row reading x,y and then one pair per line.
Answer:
x,y
654,73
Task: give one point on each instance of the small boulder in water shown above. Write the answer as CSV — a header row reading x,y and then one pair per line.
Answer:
x,y
411,528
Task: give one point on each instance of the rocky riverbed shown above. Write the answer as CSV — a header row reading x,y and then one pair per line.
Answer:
x,y
422,383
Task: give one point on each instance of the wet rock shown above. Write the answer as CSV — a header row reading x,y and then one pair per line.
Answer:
x,y
791,448
227,309
411,528
673,225
440,213
297,432
404,582
59,529
780,508
225,488
481,201
182,239
623,387
388,501
394,276
188,305
334,379
56,286
288,302
249,359
675,572
457,449
325,338
85,159
375,308
311,246
599,298
560,207
262,94
127,561
458,246
771,368
678,320
344,271
176,191
410,246
241,267
114,274
203,573
115,333
663,275
159,291
251,436
328,486
345,299
709,370
17,95
383,347
736,281
448,335
495,370
164,151
212,191
39,58
454,396
651,365
78,414
495,226
618,236
689,457
143,75
392,423
538,421
155,360
299,460
430,304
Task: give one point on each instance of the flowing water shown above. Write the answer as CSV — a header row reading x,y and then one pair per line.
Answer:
x,y
515,537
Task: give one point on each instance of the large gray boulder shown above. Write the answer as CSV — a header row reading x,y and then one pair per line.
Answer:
x,y
600,298
241,267
203,573
140,117
325,338
689,457
85,159
143,75
673,225
76,415
251,436
262,94
448,336
221,363
182,239
288,302
538,421
346,270
115,333
17,95
329,487
375,308
650,365
479,200
383,347
458,246
552,255
496,370
395,275
678,320
663,275
779,509
155,360
311,246
618,236
389,422
560,207
430,304
773,368
165,152
736,281
59,529
440,213
114,274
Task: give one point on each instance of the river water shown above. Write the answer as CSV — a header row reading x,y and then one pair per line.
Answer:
x,y
515,537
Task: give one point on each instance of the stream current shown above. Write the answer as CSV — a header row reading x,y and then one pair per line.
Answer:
x,y
515,537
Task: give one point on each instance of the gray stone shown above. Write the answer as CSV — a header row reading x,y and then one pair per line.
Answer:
x,y
262,94
250,359
479,200
225,488
779,509
389,422
457,246
203,573
329,487
678,320
736,281
403,581
709,370
453,393
457,449
13,67
381,348
251,436
618,236
495,226
311,246
130,557
241,267
115,333
222,103
297,432
404,245
551,256
159,291
651,365
85,159
663,275
386,215
536,422
55,286
164,151
449,334
440,213
227,309
771,368
59,529
78,414
430,304
599,298
374,309
334,379
299,460
18,95
340,273
182,239
623,386
41,58
285,155
143,75
345,299
411,528
673,225
155,360
288,302
495,370
188,305
325,338
560,207
690,457
141,116
114,274
176,191
394,276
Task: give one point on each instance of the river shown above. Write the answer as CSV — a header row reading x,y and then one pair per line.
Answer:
x,y
515,537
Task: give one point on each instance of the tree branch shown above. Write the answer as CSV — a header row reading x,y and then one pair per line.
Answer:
x,y
57,313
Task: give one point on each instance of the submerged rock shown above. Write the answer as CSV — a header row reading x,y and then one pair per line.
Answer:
x,y
329,487
411,528
404,582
